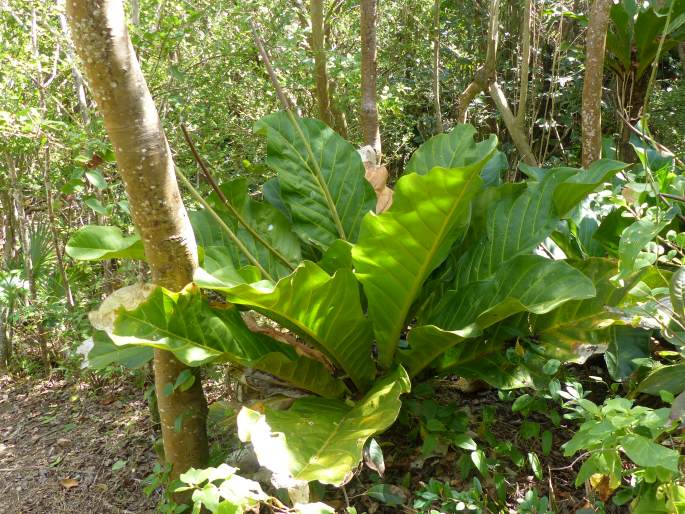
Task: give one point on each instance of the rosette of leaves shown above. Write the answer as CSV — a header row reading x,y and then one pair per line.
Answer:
x,y
350,312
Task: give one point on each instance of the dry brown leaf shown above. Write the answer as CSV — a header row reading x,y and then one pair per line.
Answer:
x,y
602,486
68,483
289,339
377,176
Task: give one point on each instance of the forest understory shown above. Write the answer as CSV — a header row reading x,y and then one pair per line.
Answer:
x,y
84,445
342,256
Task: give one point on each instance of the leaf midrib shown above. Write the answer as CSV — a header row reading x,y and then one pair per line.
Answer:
x,y
429,257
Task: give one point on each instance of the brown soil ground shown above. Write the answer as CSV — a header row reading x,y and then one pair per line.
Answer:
x,y
83,446
59,441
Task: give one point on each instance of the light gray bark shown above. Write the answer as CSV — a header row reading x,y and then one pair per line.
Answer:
x,y
369,109
144,159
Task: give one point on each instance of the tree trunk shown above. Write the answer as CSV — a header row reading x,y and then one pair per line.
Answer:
x,y
56,243
75,73
591,113
518,136
8,226
681,56
339,118
22,226
147,168
436,66
6,336
524,66
485,74
369,112
135,12
319,51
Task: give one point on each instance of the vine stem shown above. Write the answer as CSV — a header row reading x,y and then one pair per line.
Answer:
x,y
316,169
195,194
228,203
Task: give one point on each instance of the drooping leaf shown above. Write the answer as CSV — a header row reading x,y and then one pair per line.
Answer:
x,y
577,325
665,378
327,196
390,495
645,452
399,248
583,182
318,439
325,310
313,508
271,191
96,206
197,333
633,240
95,242
99,352
625,345
527,283
95,177
520,221
455,149
610,229
279,250
338,256
677,293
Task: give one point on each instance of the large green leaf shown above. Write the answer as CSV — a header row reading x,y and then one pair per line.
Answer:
x,y
325,310
96,243
279,249
625,345
99,352
646,453
197,333
633,240
520,221
665,378
527,283
455,149
578,324
399,248
321,178
318,439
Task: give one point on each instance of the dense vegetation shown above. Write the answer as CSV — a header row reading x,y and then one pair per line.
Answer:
x,y
430,253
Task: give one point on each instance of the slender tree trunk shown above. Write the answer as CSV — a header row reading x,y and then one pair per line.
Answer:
x,y
101,39
56,242
8,226
681,56
369,112
595,41
75,73
524,66
5,351
22,225
339,118
485,74
135,12
46,171
518,136
436,66
319,51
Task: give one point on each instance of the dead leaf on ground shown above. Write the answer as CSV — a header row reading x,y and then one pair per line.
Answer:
x,y
68,483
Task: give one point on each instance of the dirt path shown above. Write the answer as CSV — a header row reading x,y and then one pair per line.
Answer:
x,y
66,447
